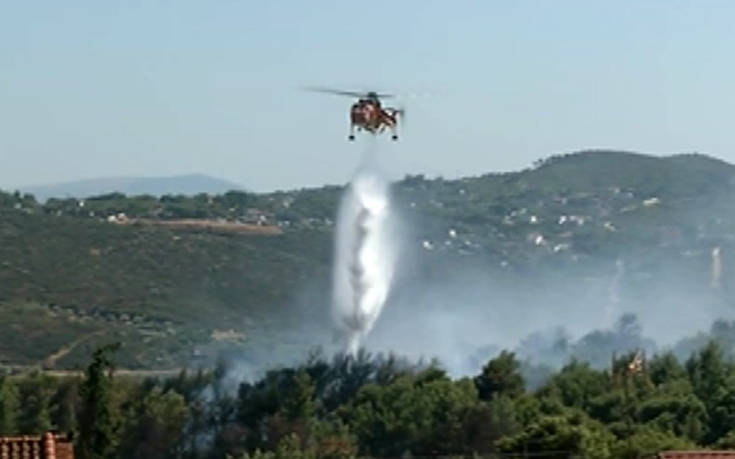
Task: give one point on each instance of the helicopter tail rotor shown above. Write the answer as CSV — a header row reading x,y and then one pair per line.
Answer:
x,y
400,113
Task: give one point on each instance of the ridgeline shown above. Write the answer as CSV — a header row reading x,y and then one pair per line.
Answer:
x,y
179,279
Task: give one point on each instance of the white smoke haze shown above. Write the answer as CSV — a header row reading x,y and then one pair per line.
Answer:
x,y
364,253
468,317
469,312
390,294
614,292
466,311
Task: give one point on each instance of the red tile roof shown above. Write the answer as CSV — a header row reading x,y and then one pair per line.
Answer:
x,y
696,455
46,446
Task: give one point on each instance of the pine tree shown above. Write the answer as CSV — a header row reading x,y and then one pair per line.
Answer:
x,y
501,376
97,428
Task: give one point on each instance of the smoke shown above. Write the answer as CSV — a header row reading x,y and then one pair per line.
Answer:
x,y
460,291
614,293
463,311
364,253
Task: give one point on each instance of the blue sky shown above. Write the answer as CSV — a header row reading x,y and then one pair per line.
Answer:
x,y
90,88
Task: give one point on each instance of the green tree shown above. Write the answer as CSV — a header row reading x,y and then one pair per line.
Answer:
x,y
193,387
487,422
727,441
35,399
65,405
98,430
647,442
707,371
721,411
425,417
683,415
576,384
331,439
665,368
561,436
295,415
9,407
158,426
500,376
288,448
299,403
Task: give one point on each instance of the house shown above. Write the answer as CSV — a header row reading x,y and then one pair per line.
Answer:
x,y
47,446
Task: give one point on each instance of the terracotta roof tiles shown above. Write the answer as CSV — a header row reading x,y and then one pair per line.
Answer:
x,y
696,455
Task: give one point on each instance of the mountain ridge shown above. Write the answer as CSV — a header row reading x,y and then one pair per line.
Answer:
x,y
69,268
182,184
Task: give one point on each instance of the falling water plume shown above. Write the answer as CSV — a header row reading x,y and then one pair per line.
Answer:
x,y
364,252
716,268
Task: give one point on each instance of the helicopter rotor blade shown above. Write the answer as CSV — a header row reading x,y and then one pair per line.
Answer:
x,y
341,92
338,92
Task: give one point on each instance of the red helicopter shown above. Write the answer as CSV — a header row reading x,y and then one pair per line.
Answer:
x,y
368,113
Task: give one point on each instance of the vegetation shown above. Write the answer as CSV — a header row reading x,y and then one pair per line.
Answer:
x,y
77,274
73,272
382,406
96,427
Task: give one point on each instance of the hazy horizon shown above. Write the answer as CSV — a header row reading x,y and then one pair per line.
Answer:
x,y
139,89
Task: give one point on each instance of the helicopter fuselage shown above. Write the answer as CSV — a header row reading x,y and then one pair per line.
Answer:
x,y
369,115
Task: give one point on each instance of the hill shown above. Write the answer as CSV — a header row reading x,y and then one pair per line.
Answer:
x,y
537,246
156,186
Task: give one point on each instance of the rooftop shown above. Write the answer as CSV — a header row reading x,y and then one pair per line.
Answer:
x,y
46,446
696,455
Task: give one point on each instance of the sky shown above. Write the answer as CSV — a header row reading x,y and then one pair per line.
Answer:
x,y
157,88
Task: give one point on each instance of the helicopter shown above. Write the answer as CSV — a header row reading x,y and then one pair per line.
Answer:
x,y
368,113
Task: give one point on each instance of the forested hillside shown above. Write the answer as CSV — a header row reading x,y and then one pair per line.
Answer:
x,y
385,407
181,279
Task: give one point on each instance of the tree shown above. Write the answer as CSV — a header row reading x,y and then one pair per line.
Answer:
x,y
648,441
235,199
299,403
35,398
726,441
501,376
295,415
576,384
665,368
194,388
158,427
97,426
487,422
561,436
331,439
722,412
65,403
707,371
680,414
8,407
422,414
288,448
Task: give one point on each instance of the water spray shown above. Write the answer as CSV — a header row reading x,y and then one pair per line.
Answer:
x,y
365,254
716,268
